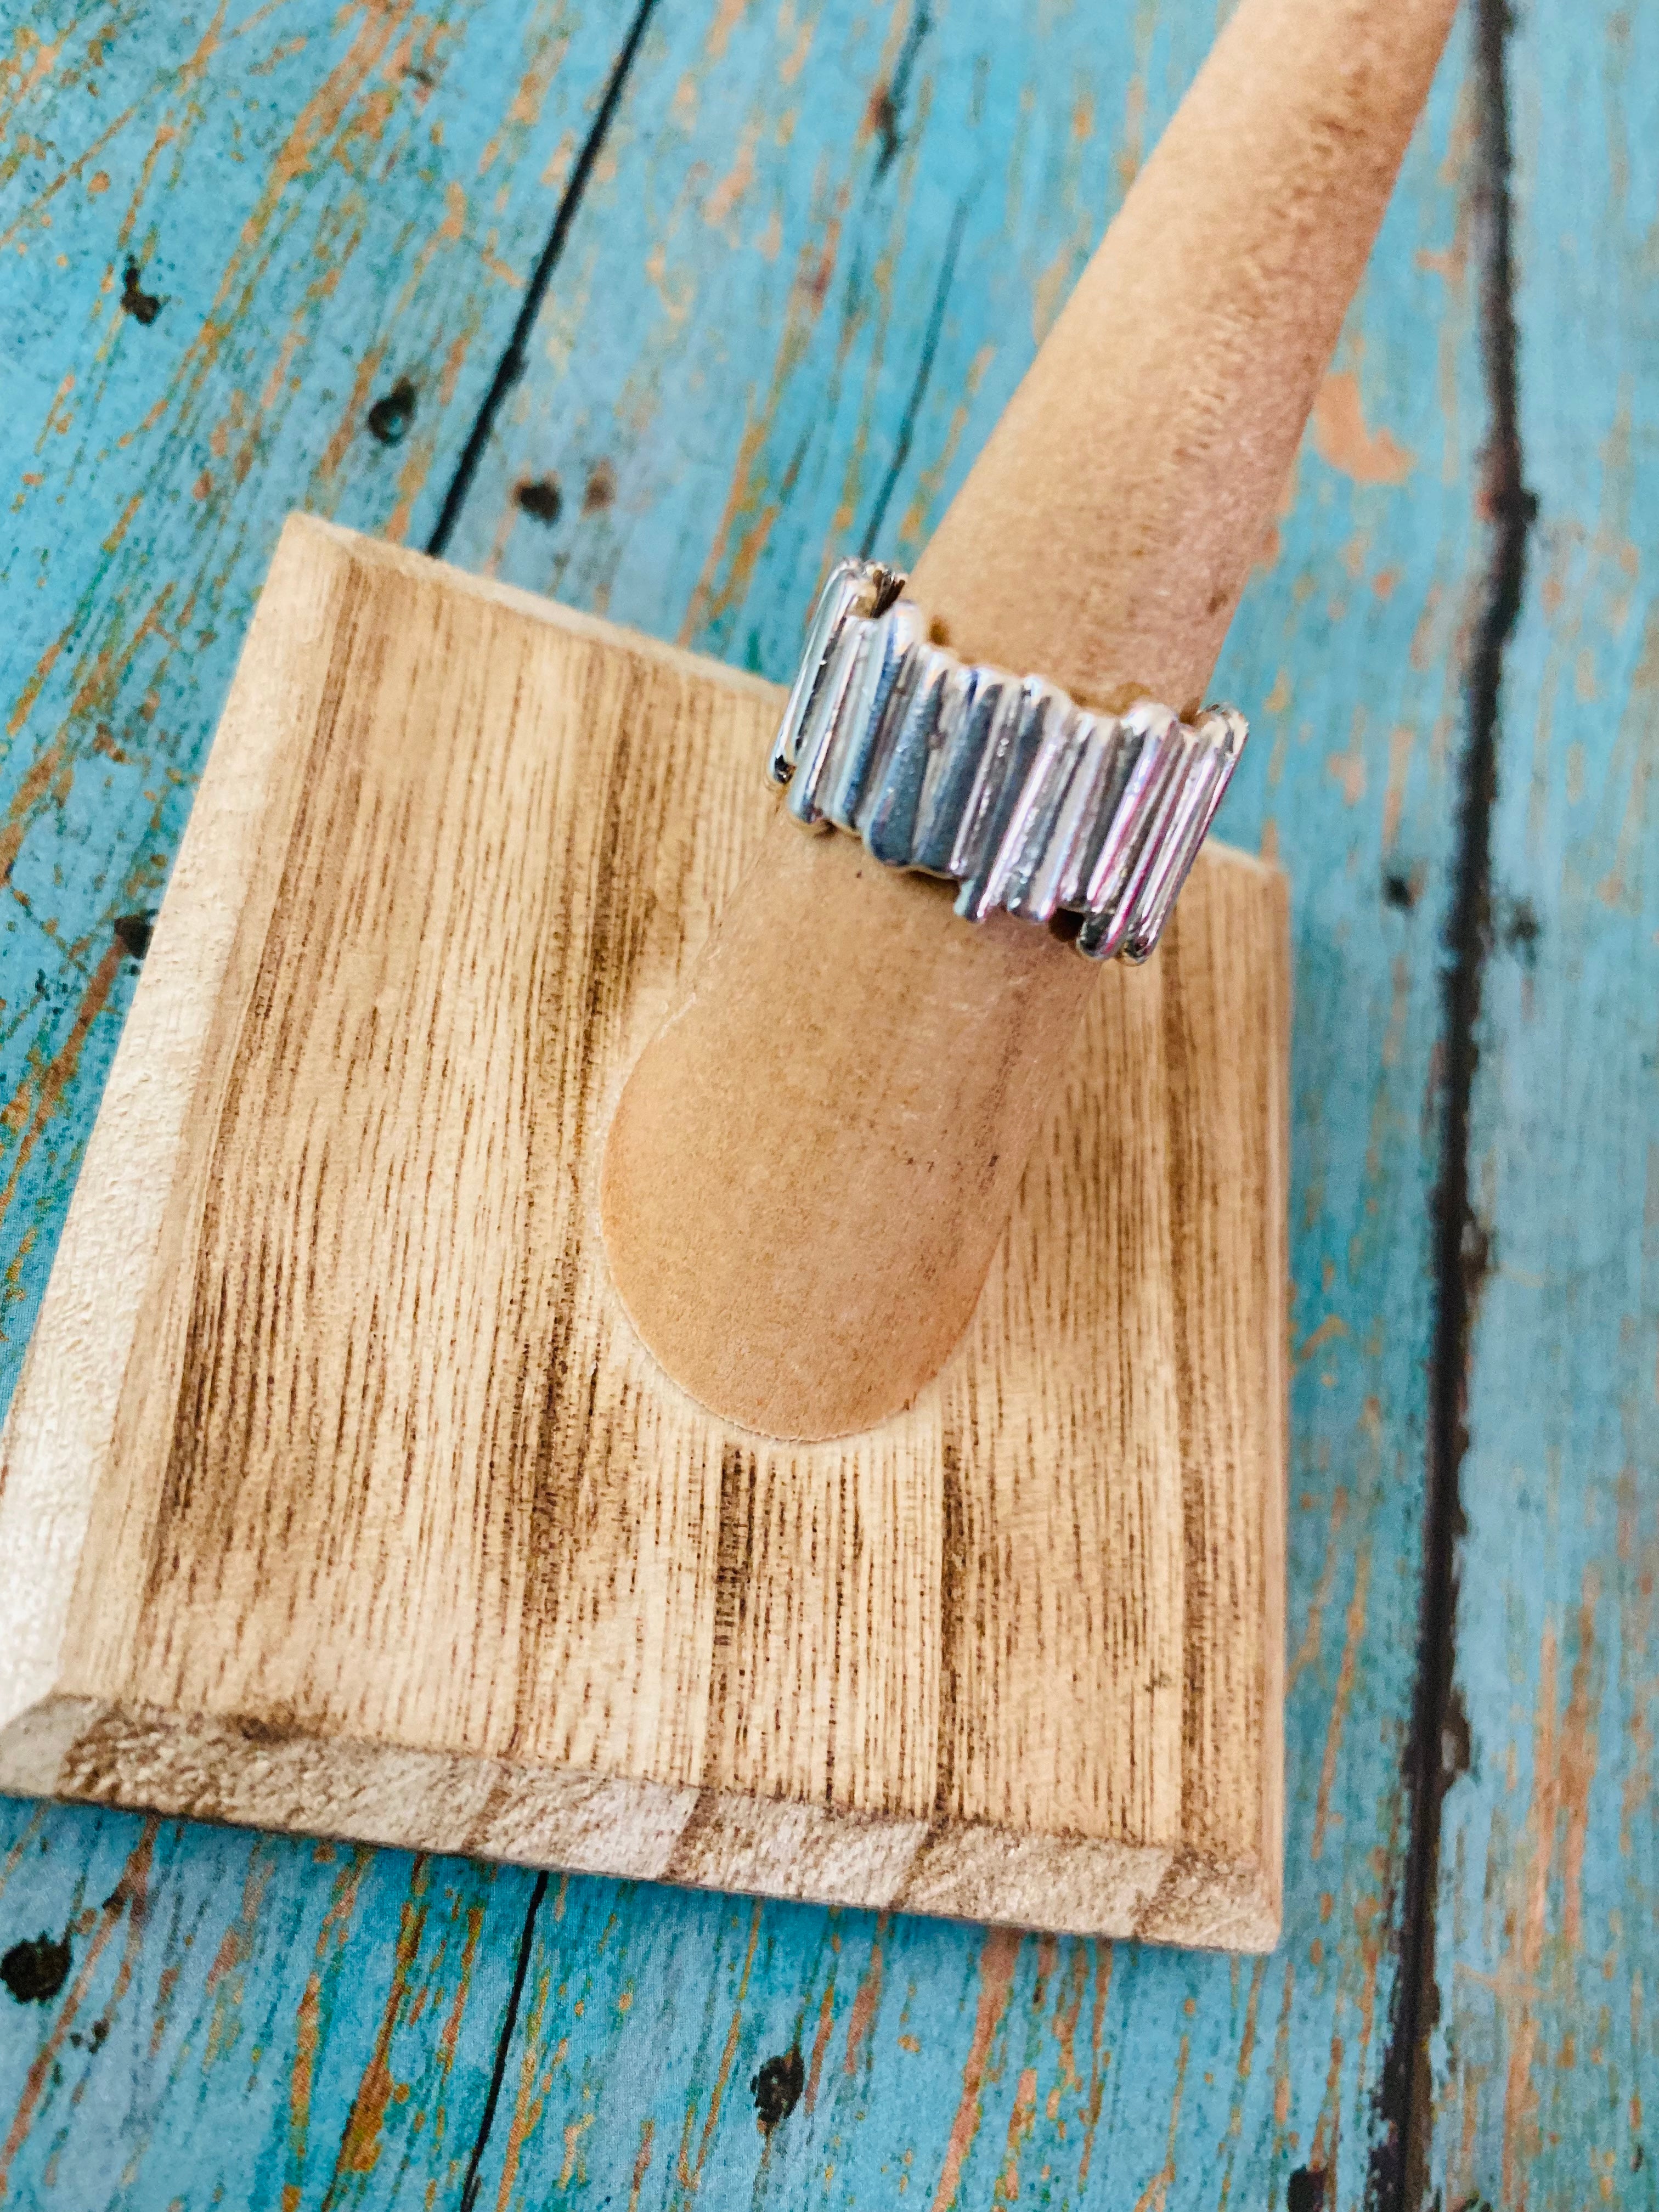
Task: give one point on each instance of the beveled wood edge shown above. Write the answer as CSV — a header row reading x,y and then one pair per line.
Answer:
x,y
60,1428
249,1772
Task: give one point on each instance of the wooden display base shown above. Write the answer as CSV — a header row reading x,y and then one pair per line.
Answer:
x,y
340,1496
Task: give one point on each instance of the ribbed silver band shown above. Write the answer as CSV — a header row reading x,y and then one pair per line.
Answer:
x,y
1029,802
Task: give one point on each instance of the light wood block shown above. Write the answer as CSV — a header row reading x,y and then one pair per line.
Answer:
x,y
338,1494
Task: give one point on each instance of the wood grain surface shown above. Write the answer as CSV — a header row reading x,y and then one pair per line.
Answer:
x,y
810,264
388,1528
1546,2048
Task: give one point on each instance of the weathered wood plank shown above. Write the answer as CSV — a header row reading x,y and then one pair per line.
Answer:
x,y
242,2013
1546,2056
316,205
703,521
1350,640
255,257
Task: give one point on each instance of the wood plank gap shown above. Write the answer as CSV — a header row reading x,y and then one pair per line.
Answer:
x,y
1437,1748
504,2042
511,367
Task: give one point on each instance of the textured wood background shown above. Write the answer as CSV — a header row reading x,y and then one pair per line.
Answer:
x,y
793,270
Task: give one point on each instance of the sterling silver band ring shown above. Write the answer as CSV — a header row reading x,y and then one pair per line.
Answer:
x,y
1030,804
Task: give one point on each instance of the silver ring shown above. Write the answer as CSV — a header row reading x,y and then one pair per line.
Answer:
x,y
1030,803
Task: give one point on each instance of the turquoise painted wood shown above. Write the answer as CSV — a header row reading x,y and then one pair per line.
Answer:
x,y
1547,2058
793,373
253,256
243,2016
250,256
819,248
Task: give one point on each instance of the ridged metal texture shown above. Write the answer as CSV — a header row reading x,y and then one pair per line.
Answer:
x,y
1027,801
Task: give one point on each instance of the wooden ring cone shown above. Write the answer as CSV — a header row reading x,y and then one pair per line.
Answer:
x,y
811,1165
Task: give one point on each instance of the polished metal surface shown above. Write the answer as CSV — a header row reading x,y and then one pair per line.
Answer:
x,y
1030,803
